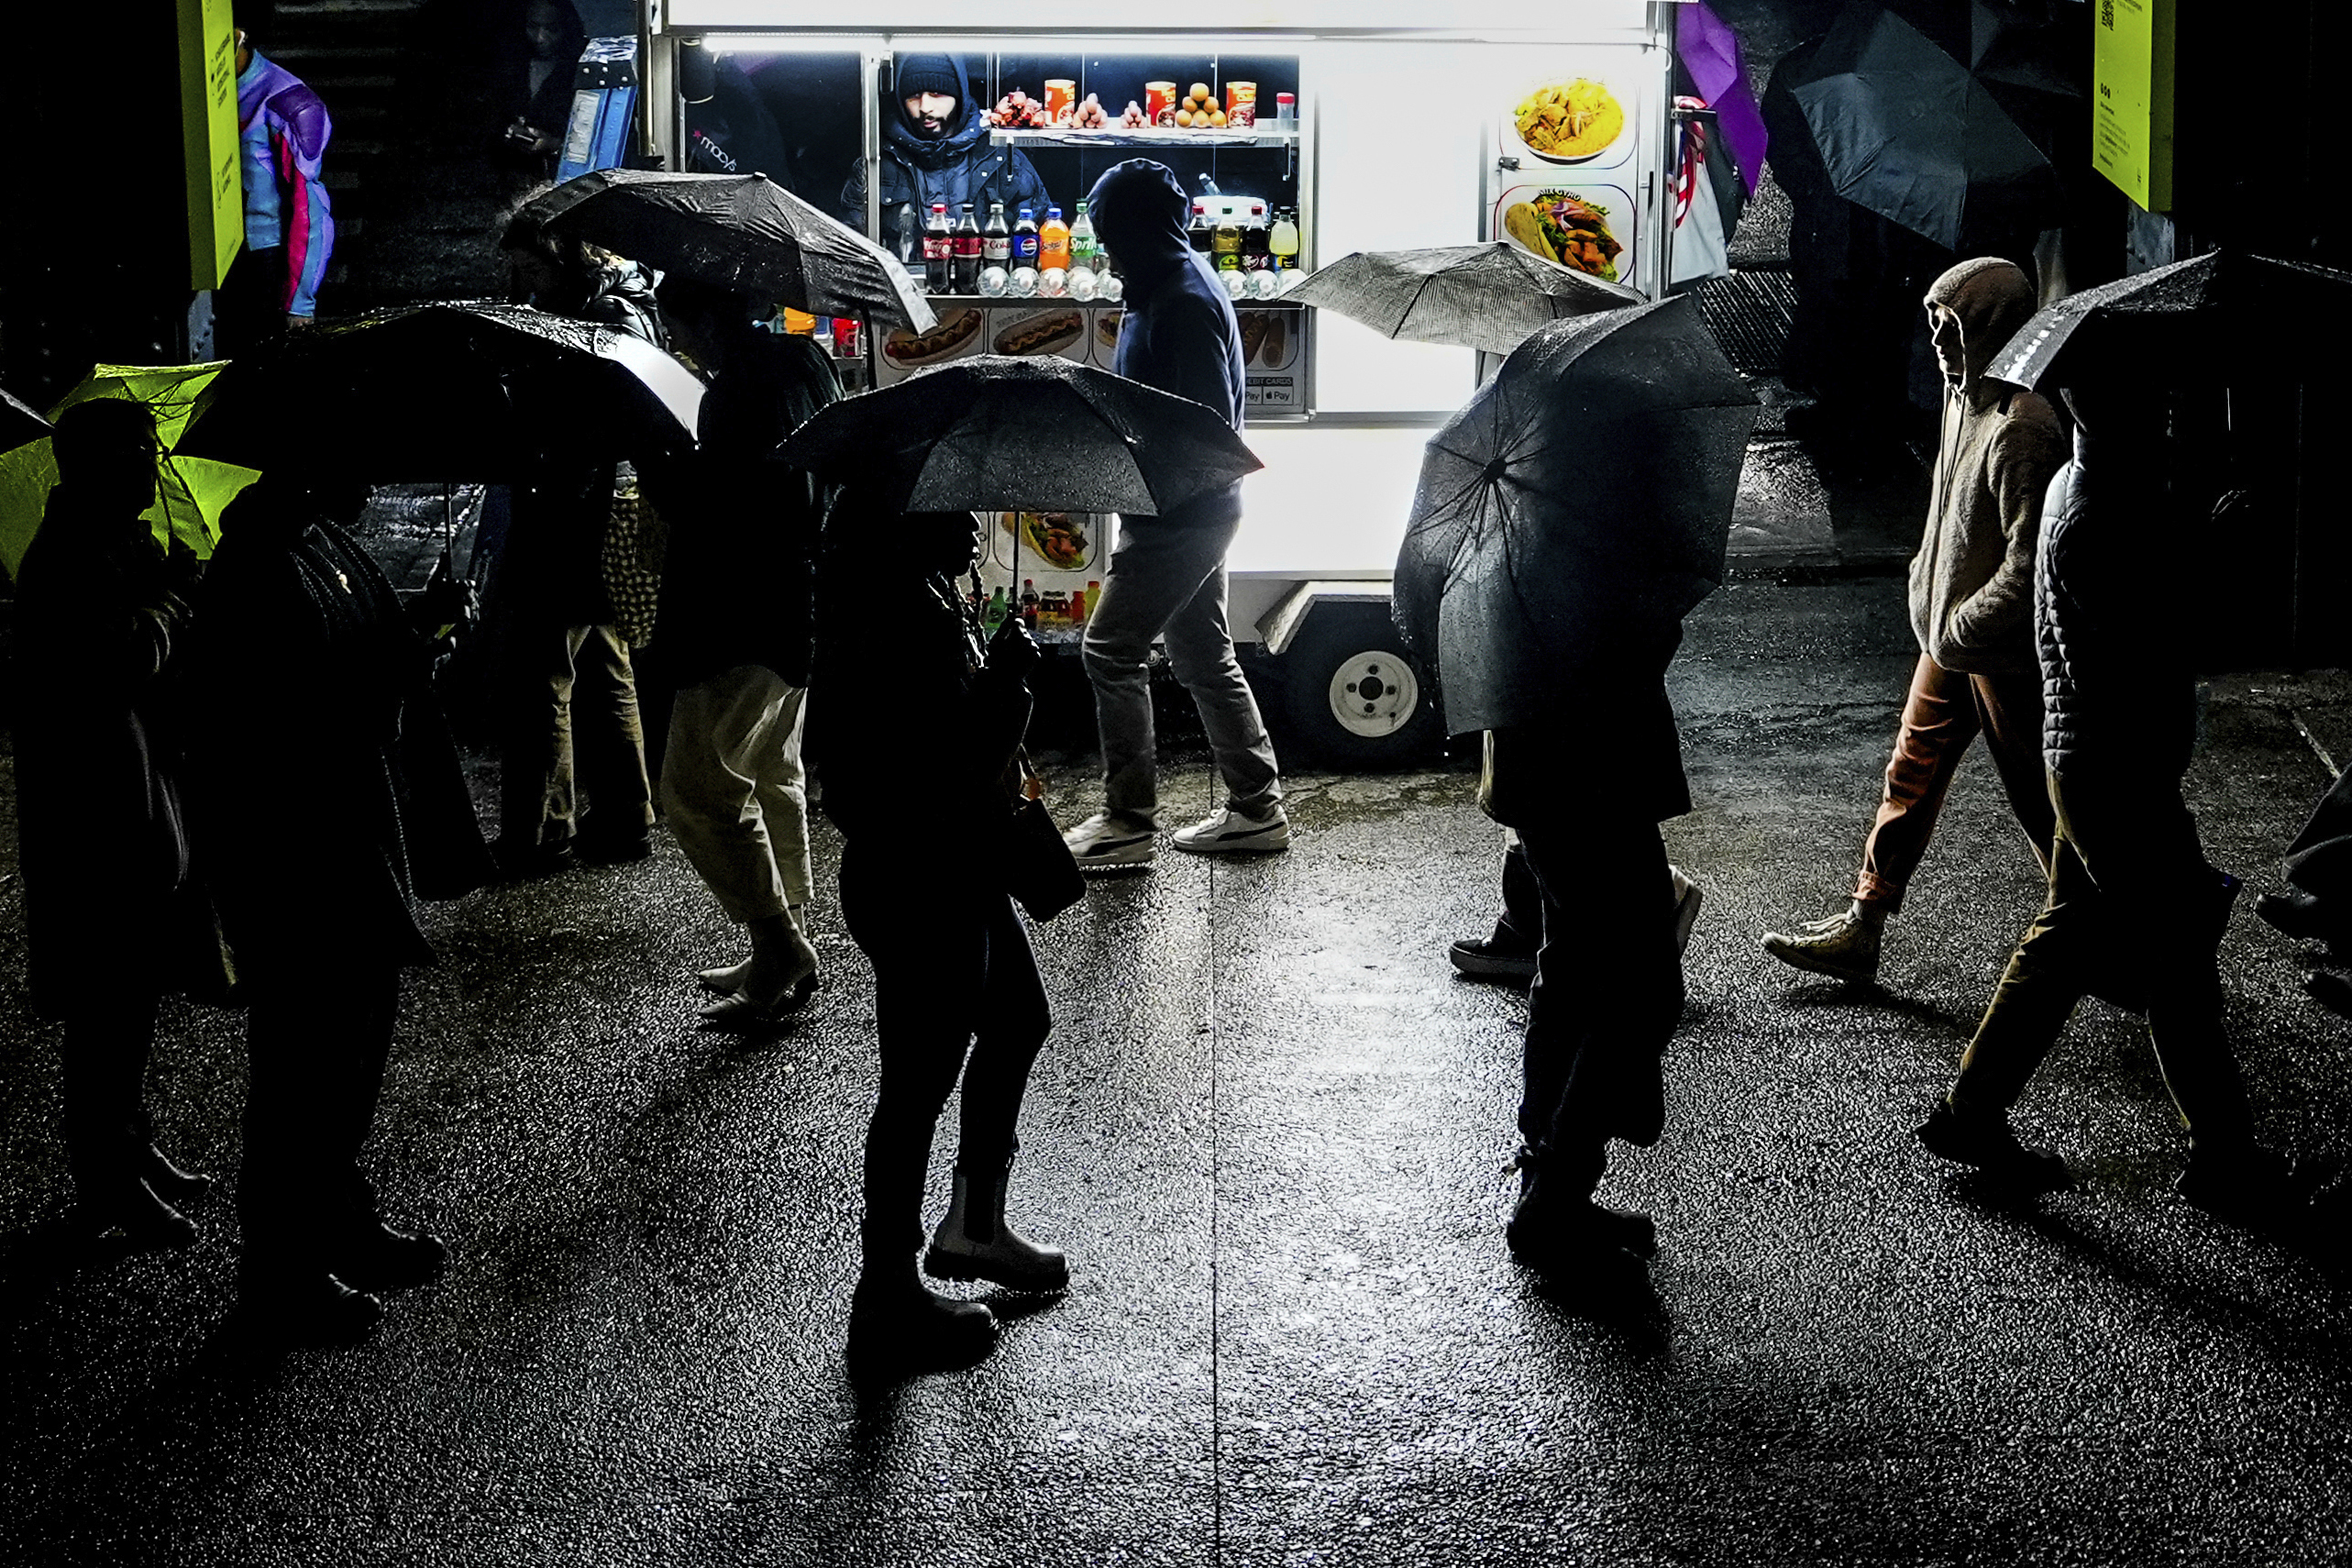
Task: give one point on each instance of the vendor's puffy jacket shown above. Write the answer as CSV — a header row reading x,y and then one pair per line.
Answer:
x,y
283,130
957,168
2118,694
1971,583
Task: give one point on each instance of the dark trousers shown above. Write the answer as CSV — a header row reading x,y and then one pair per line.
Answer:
x,y
1520,928
1944,711
2130,908
953,977
248,308
318,1043
1607,995
107,1037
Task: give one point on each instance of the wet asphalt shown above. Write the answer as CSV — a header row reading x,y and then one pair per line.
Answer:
x,y
1271,1129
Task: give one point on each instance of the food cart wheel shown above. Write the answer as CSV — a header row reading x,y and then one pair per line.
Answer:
x,y
1353,697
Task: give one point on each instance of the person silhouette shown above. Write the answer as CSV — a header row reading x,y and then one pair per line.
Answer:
x,y
114,920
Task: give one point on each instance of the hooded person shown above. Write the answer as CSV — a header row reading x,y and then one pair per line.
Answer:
x,y
1972,610
935,148
2132,906
1168,575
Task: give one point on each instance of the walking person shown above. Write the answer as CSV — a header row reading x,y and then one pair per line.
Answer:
x,y
1972,610
330,798
956,991
570,724
1167,574
1608,989
1507,956
734,639
2134,908
114,918
282,132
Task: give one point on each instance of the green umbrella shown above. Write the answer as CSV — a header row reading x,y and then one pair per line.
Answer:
x,y
189,491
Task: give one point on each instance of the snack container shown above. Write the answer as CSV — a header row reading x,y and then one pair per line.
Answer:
x,y
1286,111
1060,93
1160,102
1240,103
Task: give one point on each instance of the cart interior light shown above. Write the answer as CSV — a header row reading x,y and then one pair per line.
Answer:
x,y
1098,21
788,43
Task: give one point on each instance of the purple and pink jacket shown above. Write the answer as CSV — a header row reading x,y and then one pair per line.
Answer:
x,y
282,130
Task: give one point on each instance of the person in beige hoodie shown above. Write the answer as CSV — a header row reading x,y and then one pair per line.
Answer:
x,y
1971,609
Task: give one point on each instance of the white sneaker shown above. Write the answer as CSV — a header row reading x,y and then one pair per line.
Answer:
x,y
1687,899
1111,838
1229,832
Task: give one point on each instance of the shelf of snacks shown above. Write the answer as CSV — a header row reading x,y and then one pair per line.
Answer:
x,y
1146,138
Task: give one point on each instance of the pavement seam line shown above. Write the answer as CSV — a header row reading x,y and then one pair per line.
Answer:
x,y
1215,1341
2312,740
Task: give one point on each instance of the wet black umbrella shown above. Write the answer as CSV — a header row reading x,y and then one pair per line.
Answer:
x,y
19,424
1470,296
1580,498
2216,315
1907,131
995,431
731,231
448,392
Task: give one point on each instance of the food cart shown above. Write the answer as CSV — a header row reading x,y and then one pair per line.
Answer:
x,y
1409,125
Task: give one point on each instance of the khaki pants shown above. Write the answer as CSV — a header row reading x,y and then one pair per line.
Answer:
x,y
1944,711
735,793
2132,905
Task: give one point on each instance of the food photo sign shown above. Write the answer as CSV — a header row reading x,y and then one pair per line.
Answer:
x,y
1562,149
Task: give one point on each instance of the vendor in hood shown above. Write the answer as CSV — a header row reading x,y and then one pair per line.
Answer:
x,y
935,148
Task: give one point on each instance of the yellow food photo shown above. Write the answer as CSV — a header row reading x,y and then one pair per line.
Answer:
x,y
1569,119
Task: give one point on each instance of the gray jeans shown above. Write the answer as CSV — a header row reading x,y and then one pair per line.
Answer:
x,y
1169,581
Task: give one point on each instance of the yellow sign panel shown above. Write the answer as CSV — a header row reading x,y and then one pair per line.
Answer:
x,y
2131,105
208,139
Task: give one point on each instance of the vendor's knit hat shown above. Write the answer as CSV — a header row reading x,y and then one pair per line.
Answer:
x,y
929,73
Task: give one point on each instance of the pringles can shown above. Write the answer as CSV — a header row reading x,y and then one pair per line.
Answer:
x,y
1240,103
1060,93
1160,102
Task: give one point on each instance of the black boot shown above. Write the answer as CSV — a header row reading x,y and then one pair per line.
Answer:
x,y
1551,1223
372,1257
1983,1139
121,1202
168,1181
281,1307
975,1243
899,1327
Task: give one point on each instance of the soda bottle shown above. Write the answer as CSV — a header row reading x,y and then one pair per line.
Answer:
x,y
1282,240
1225,244
993,616
938,252
1085,247
910,237
995,240
1053,241
1256,254
1198,232
1029,601
1024,239
966,248
1077,606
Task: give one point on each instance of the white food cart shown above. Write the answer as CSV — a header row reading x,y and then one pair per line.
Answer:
x,y
1412,129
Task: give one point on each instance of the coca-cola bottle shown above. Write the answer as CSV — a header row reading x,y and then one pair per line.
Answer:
x,y
966,246
938,252
996,239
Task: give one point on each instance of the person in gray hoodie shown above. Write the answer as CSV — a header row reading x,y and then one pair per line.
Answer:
x,y
1971,609
1167,574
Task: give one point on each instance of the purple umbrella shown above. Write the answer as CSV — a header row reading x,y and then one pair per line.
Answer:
x,y
1710,52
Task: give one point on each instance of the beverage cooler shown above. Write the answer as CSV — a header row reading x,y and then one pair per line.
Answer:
x,y
1303,130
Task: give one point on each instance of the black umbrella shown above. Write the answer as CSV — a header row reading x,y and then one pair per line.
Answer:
x,y
1470,296
1905,130
1043,435
448,392
19,424
731,231
2213,316
1580,498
